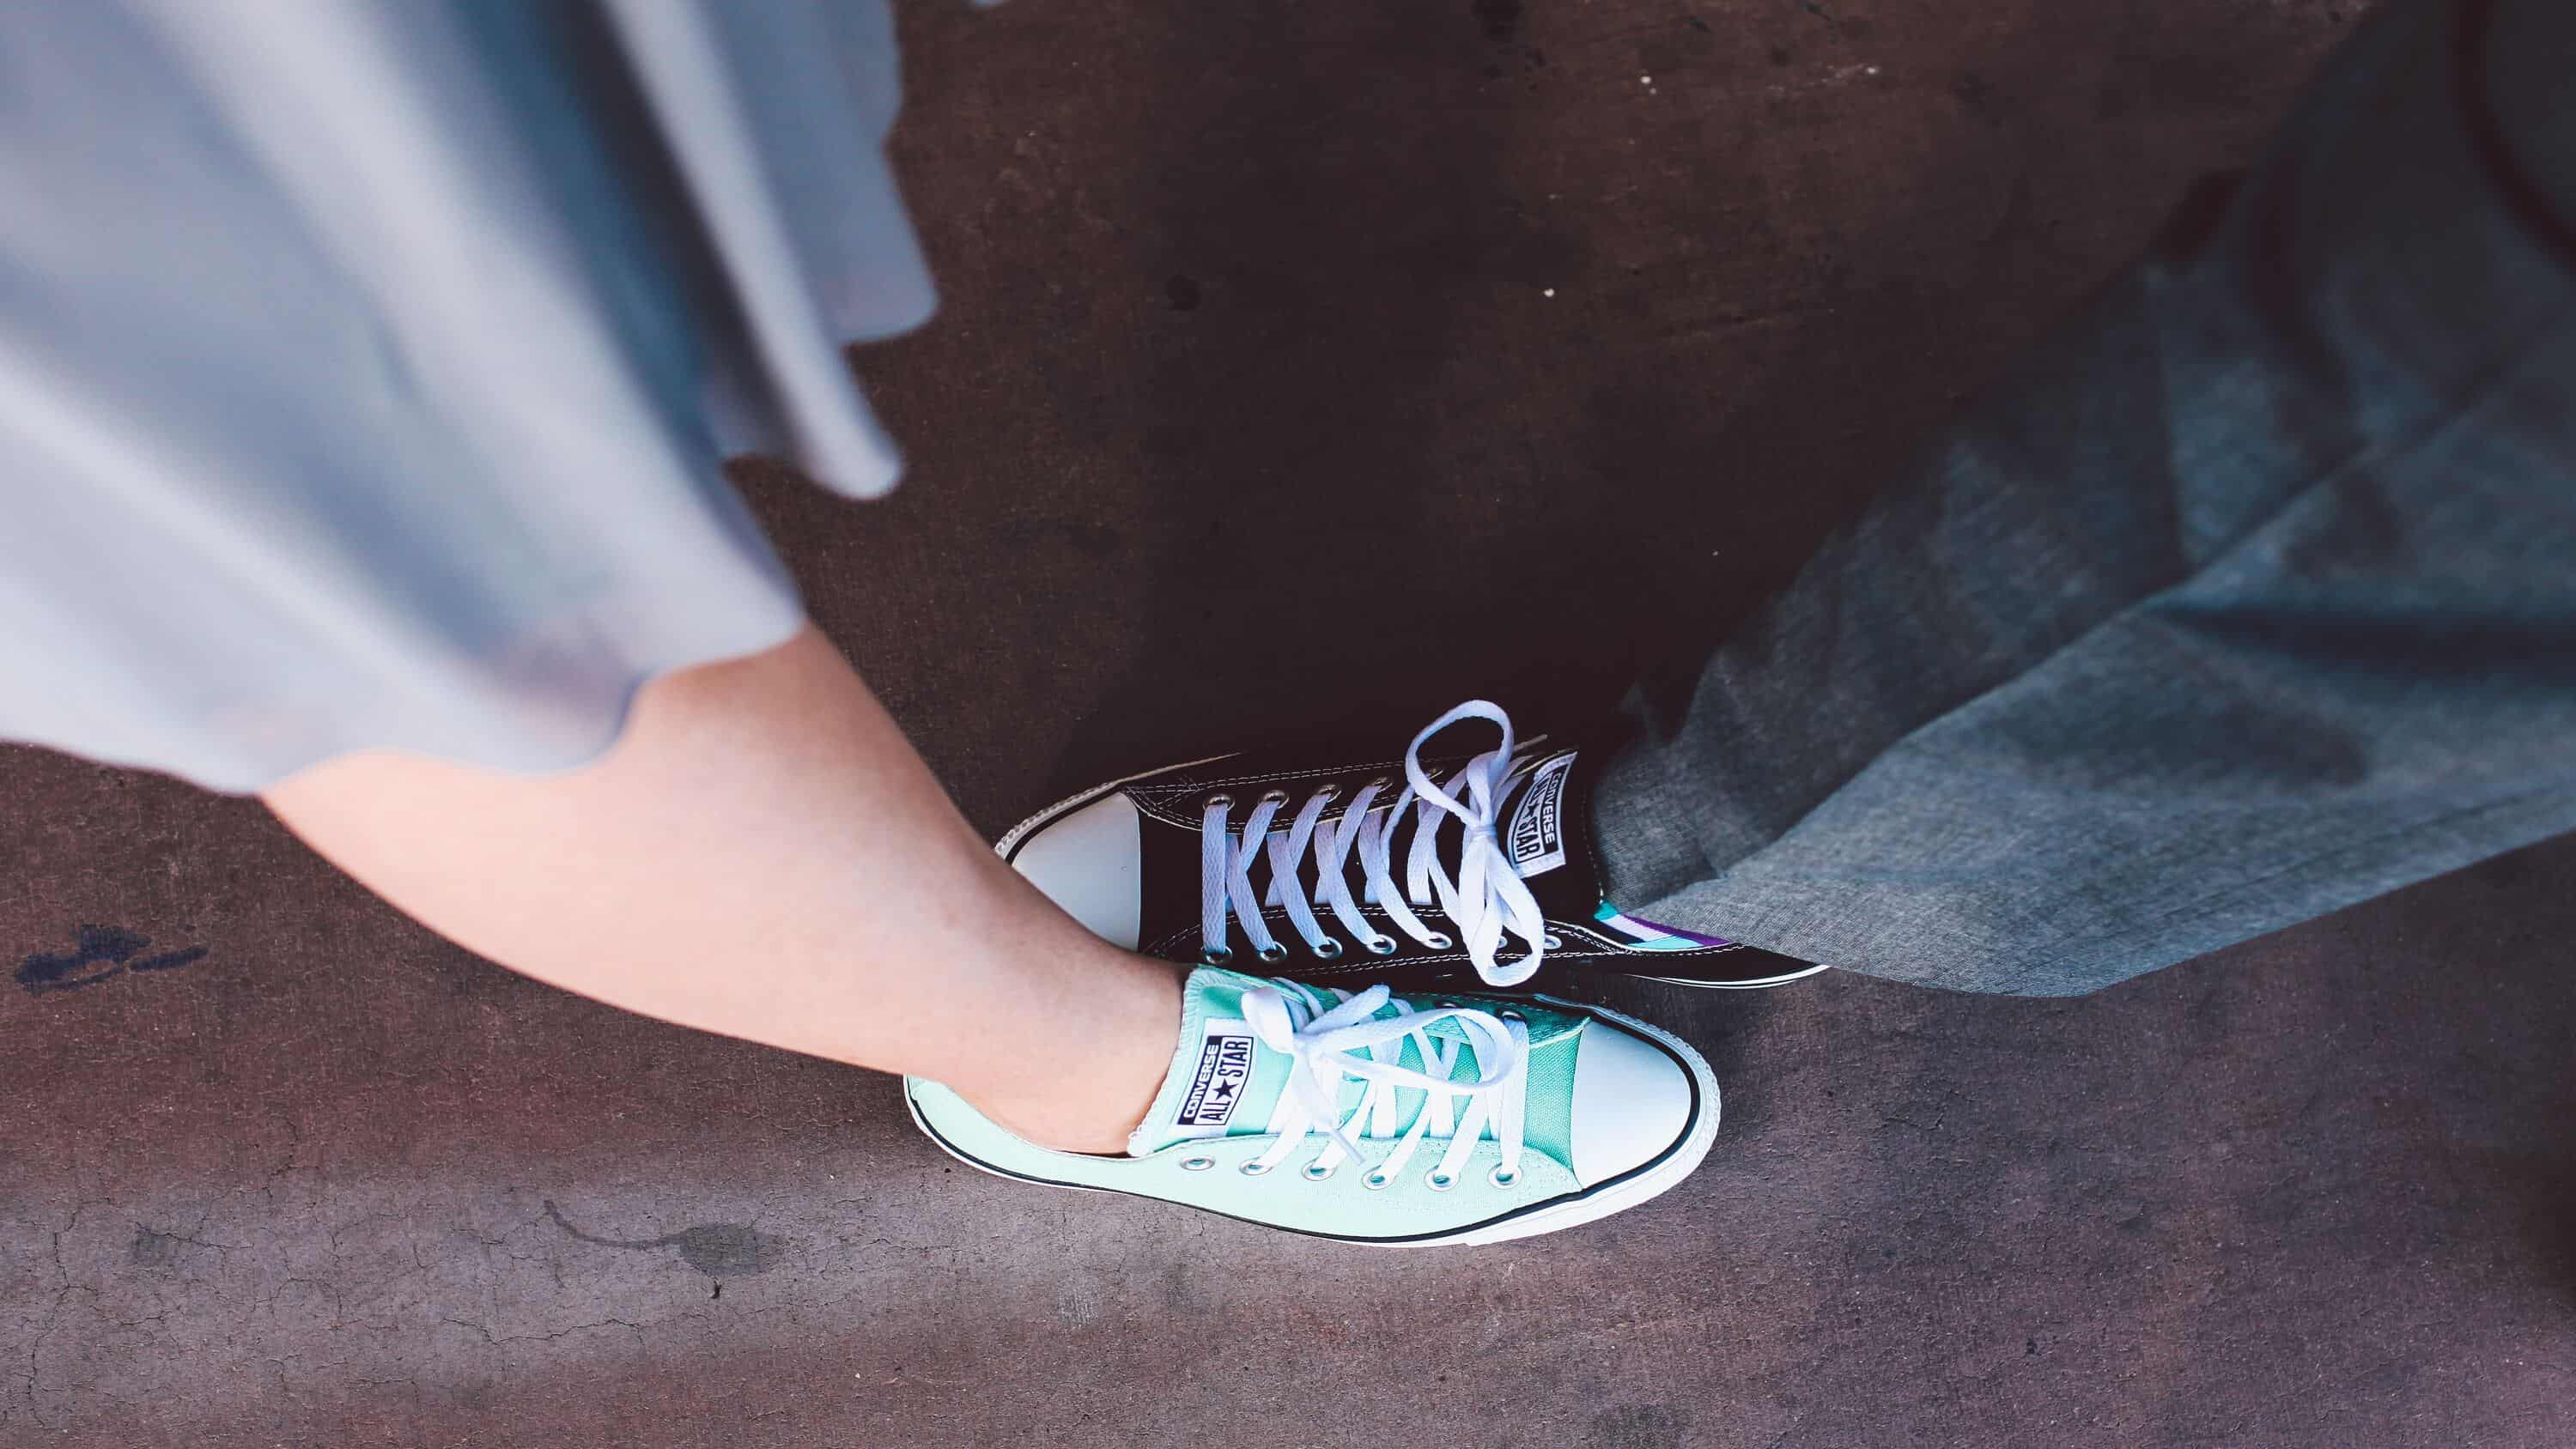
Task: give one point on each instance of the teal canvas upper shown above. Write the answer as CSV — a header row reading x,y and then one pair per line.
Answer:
x,y
1246,1093
1323,1112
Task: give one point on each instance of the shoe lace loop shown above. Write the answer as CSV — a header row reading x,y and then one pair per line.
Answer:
x,y
1330,1036
1486,899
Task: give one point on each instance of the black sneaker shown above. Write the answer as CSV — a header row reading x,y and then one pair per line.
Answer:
x,y
1414,870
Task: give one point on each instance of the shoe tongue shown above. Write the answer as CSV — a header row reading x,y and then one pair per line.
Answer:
x,y
1545,827
1221,1079
1543,824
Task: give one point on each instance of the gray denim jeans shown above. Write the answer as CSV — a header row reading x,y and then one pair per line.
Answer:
x,y
2249,596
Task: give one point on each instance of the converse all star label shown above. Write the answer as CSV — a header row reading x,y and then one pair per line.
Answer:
x,y
1224,1070
1538,826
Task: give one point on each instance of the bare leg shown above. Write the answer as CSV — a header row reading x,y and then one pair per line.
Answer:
x,y
763,855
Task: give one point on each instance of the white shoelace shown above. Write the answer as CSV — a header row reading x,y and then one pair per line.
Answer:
x,y
1326,1045
1487,897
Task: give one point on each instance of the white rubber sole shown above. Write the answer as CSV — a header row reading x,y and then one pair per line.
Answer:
x,y
1764,984
1652,1182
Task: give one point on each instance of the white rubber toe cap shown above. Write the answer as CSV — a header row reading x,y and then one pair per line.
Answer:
x,y
1632,1101
1088,861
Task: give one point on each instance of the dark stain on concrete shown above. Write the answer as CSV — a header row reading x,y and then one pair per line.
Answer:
x,y
153,1249
99,953
719,1250
1637,1426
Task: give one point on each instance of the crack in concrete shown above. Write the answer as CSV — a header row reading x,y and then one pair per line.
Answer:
x,y
53,1320
496,1339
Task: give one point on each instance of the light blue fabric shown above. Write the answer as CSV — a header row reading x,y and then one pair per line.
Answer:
x,y
366,365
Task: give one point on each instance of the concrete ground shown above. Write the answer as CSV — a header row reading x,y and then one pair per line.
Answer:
x,y
1300,364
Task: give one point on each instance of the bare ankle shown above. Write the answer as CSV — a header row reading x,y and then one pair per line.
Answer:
x,y
1119,1036
1050,1124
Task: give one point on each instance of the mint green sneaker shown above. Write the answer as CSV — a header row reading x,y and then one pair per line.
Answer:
x,y
1375,1118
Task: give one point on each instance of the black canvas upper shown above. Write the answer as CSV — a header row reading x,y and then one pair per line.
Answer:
x,y
1171,807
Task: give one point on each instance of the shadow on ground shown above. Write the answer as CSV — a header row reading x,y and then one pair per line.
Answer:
x,y
1305,369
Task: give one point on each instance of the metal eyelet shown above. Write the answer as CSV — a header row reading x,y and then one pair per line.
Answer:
x,y
1381,783
1508,1014
1274,953
1327,949
1377,1181
1312,1175
1381,945
1500,1178
1268,796
1256,1167
1438,941
1219,799
1197,1164
1439,1182
1215,956
1552,941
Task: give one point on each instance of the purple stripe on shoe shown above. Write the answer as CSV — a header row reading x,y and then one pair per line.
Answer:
x,y
1678,931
